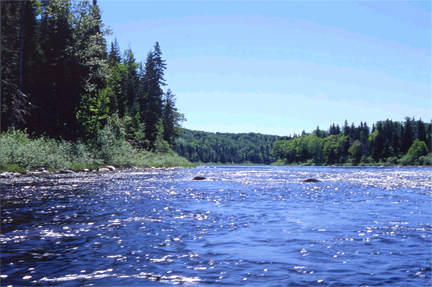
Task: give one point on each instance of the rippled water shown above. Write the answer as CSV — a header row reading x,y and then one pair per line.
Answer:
x,y
254,226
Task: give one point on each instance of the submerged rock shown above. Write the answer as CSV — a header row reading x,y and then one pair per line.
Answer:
x,y
311,180
199,178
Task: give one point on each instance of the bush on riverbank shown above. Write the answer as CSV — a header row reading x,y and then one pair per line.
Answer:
x,y
19,151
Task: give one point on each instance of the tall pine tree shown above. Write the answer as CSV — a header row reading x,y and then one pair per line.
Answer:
x,y
151,102
171,118
74,66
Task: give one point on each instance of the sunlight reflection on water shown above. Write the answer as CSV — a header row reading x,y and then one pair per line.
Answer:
x,y
243,225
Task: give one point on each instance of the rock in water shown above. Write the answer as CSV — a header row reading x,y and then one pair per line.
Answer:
x,y
66,171
6,174
198,178
311,180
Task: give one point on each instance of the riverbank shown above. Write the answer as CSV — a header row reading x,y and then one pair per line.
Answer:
x,y
20,153
70,177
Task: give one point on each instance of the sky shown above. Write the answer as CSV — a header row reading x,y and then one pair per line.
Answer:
x,y
285,66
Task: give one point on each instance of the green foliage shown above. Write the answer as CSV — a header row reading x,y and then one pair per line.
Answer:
x,y
110,145
151,104
223,148
72,85
301,149
161,146
425,160
171,118
18,148
19,151
355,150
392,161
94,111
12,168
357,145
416,154
418,149
72,70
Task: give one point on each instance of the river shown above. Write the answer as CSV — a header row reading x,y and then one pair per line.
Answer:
x,y
243,225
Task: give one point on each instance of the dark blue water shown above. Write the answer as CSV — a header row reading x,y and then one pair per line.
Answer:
x,y
253,226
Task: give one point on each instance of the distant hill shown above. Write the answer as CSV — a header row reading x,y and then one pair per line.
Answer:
x,y
206,147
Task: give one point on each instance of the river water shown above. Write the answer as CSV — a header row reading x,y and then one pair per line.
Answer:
x,y
251,226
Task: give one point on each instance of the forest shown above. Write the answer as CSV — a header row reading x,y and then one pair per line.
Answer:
x,y
387,143
61,81
225,148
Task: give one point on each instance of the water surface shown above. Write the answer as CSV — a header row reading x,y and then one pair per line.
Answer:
x,y
254,226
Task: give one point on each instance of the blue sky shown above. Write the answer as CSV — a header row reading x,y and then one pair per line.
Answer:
x,y
286,66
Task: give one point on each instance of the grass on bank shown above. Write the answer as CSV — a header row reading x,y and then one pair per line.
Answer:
x,y
19,152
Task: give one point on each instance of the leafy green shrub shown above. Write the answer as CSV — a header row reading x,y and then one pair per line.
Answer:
x,y
12,168
392,160
367,160
18,148
407,160
110,143
418,149
110,146
161,146
425,160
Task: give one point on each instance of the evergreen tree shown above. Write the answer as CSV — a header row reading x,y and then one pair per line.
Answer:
x,y
407,135
346,129
73,69
171,119
159,65
332,129
129,85
317,132
151,102
114,55
421,131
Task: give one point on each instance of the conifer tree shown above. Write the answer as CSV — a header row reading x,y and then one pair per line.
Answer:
x,y
130,83
407,135
346,128
151,102
421,131
171,118
74,66
114,55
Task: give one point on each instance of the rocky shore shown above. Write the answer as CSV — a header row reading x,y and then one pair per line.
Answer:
x,y
43,176
43,171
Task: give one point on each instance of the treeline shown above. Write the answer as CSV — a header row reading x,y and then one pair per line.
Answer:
x,y
206,147
388,142
60,80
